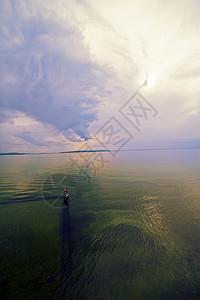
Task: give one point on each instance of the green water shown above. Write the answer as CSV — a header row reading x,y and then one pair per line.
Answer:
x,y
131,231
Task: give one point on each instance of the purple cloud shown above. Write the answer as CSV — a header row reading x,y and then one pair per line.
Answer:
x,y
46,71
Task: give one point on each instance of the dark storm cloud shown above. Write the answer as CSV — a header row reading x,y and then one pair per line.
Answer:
x,y
46,71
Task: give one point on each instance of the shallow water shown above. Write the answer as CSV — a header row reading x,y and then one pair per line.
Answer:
x,y
131,230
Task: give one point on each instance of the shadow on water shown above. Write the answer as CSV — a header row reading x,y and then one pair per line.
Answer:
x,y
78,258
21,201
66,251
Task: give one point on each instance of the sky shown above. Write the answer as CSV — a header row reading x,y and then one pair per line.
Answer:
x,y
71,71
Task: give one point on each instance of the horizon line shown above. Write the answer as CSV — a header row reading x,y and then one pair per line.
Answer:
x,y
100,150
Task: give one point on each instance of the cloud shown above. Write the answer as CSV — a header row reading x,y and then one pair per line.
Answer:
x,y
20,132
26,136
71,135
46,71
70,65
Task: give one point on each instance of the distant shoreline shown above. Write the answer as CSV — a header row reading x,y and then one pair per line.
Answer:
x,y
82,151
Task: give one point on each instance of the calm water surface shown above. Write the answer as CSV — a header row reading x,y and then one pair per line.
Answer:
x,y
131,231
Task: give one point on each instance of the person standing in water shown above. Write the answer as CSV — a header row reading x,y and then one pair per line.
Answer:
x,y
66,196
